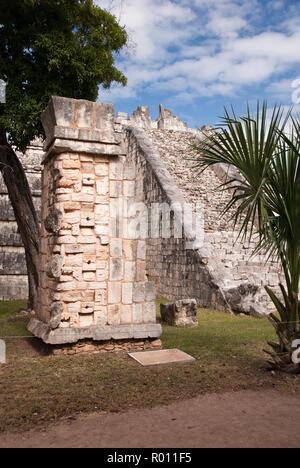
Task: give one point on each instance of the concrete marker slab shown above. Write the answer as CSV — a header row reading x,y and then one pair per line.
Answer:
x,y
161,357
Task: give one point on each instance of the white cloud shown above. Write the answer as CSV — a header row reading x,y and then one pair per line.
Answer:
x,y
192,48
225,27
282,90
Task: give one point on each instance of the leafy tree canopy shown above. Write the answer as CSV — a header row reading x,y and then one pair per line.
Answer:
x,y
53,47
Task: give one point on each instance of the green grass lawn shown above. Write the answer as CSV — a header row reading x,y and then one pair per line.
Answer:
x,y
11,323
36,388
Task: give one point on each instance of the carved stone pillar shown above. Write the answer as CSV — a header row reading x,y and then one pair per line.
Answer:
x,y
93,281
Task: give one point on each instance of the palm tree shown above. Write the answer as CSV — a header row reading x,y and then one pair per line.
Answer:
x,y
266,200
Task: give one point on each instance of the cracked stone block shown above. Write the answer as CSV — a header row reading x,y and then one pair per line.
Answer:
x,y
180,313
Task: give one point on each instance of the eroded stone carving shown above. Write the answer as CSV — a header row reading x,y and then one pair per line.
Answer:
x,y
53,221
56,314
55,266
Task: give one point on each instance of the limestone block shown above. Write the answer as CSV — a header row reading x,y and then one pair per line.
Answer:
x,y
87,240
71,174
87,219
105,114
150,293
116,247
150,312
116,189
86,320
88,179
9,234
129,188
102,265
139,292
137,313
72,296
100,315
116,170
100,296
130,271
102,210
87,308
65,279
102,186
126,314
66,286
102,231
102,275
129,249
116,269
67,270
73,249
72,217
74,308
97,285
66,240
82,197
71,206
127,290
101,170
71,164
114,293
129,172
83,114
140,270
13,262
141,250
75,231
180,314
89,276
113,315
89,266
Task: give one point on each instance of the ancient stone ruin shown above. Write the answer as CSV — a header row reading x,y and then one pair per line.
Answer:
x,y
93,282
97,278
180,313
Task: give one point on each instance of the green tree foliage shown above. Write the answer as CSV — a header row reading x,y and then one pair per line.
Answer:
x,y
47,47
53,47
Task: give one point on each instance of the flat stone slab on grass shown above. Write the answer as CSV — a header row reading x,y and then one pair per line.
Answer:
x,y
165,356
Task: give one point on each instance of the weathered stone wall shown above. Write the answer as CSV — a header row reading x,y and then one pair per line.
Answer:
x,y
241,277
220,273
176,271
13,272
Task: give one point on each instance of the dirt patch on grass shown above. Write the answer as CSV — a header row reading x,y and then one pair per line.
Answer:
x,y
38,389
265,419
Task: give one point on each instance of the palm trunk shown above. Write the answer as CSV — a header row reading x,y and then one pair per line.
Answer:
x,y
25,214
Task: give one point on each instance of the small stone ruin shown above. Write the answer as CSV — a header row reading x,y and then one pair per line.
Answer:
x,y
180,313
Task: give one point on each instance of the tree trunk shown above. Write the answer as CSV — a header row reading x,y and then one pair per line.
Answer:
x,y
25,214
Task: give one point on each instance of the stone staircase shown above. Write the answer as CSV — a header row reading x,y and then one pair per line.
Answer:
x,y
240,276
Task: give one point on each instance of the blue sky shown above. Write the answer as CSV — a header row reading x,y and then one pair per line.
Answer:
x,y
195,56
